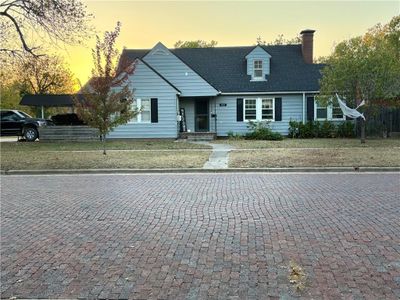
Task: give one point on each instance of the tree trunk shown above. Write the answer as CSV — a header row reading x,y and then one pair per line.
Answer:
x,y
390,127
362,131
104,144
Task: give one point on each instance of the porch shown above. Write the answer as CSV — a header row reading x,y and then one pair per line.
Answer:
x,y
197,118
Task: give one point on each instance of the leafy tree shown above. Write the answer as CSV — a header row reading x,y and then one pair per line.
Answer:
x,y
44,75
365,68
10,95
107,100
22,22
195,44
30,75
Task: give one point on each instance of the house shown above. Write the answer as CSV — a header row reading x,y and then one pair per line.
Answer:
x,y
221,89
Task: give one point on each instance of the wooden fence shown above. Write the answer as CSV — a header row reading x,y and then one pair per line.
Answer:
x,y
68,133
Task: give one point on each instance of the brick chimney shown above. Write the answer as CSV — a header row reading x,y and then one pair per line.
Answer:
x,y
307,41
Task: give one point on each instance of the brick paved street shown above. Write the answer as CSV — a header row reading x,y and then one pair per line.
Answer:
x,y
197,236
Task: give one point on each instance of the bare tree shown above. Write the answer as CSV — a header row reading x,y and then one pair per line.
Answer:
x,y
24,22
106,100
195,44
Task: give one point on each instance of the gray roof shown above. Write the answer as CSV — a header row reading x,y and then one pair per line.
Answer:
x,y
225,68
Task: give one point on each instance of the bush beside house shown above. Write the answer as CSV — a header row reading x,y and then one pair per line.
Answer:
x,y
326,129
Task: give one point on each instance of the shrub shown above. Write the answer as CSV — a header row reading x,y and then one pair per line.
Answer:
x,y
308,130
293,129
324,129
327,130
346,130
261,131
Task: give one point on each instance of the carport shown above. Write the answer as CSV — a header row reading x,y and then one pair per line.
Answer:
x,y
56,100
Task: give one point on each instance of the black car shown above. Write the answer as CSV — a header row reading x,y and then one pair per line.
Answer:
x,y
16,122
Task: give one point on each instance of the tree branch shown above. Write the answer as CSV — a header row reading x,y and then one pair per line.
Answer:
x,y
20,34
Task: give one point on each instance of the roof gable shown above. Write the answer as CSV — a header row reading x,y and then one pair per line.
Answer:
x,y
176,71
258,51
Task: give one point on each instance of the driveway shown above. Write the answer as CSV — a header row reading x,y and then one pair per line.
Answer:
x,y
4,139
196,236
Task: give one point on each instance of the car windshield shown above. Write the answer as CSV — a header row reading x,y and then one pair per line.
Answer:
x,y
23,115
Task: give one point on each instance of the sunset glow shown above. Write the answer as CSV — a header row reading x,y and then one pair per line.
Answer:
x,y
231,23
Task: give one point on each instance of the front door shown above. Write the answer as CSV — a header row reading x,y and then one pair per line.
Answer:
x,y
201,115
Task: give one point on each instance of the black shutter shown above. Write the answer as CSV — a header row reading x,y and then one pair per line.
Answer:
x,y
154,110
310,108
239,109
278,109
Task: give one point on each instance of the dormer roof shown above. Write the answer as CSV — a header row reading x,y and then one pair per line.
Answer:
x,y
259,50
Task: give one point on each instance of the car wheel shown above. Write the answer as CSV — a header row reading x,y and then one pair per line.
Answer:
x,y
31,134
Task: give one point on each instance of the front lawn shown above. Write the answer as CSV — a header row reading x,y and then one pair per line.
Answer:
x,y
311,143
35,160
339,157
94,145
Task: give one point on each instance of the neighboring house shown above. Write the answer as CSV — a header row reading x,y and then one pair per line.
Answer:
x,y
220,89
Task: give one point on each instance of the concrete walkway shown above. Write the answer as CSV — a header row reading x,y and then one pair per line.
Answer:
x,y
219,157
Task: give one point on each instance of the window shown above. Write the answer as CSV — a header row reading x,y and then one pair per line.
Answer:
x,y
267,112
258,69
337,111
250,109
10,116
143,106
330,112
259,109
322,112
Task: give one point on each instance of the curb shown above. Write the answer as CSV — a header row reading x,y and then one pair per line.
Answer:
x,y
199,170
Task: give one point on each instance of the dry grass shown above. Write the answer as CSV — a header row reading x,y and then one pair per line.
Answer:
x,y
96,145
312,143
297,277
18,160
351,157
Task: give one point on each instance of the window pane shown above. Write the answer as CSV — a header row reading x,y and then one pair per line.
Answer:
x,y
250,114
258,64
267,114
257,73
145,116
145,104
250,109
267,103
322,113
250,104
337,113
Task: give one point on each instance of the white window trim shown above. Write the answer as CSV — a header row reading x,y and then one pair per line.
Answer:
x,y
259,110
258,78
328,114
139,115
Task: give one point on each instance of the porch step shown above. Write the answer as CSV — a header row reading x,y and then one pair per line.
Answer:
x,y
198,136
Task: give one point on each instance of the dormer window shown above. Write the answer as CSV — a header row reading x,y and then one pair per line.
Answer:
x,y
258,69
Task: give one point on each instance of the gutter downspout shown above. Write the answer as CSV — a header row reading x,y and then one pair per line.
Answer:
x,y
304,108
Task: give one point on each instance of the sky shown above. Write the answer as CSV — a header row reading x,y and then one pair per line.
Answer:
x,y
230,23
